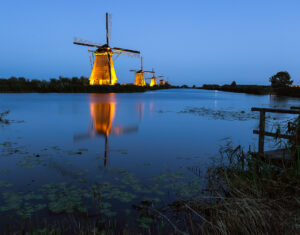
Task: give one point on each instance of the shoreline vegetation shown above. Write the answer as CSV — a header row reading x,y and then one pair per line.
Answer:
x,y
68,85
281,85
255,89
81,85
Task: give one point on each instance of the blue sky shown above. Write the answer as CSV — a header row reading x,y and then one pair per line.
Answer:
x,y
190,42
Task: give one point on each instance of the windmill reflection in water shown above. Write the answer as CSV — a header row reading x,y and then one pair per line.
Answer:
x,y
102,111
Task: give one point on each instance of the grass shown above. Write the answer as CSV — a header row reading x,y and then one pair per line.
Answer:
x,y
246,195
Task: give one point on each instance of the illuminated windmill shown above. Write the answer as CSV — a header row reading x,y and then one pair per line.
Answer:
x,y
139,75
102,110
162,82
103,71
153,78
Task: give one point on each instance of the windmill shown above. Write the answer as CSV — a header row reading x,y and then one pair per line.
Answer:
x,y
139,75
161,82
102,113
153,78
103,71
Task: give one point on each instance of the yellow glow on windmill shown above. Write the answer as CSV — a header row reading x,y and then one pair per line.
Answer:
x,y
139,79
139,75
153,81
103,71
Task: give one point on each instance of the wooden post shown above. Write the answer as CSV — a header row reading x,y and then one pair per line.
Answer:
x,y
261,140
297,154
298,136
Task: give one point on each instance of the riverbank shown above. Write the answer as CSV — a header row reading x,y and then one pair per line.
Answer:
x,y
255,89
67,85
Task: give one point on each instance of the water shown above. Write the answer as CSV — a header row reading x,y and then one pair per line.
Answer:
x,y
62,148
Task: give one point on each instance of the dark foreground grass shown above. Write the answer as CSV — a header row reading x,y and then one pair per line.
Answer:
x,y
248,196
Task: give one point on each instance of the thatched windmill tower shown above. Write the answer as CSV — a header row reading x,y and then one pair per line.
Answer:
x,y
102,111
103,71
139,75
153,79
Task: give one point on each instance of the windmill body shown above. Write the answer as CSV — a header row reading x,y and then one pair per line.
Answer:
x,y
161,82
139,79
139,75
103,71
153,79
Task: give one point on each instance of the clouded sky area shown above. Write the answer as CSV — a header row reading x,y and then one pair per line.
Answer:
x,y
190,42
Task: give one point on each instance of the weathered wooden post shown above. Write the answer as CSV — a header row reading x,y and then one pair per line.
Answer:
x,y
297,154
261,141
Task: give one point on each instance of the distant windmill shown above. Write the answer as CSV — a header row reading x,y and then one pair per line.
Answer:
x,y
139,75
161,82
102,113
153,78
103,71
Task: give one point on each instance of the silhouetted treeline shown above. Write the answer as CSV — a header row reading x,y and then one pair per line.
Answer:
x,y
66,85
255,89
251,89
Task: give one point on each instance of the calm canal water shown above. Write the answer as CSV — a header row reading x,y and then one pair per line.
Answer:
x,y
63,149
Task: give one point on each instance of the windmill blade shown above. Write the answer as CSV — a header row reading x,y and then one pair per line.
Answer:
x,y
148,72
127,52
133,70
83,42
108,28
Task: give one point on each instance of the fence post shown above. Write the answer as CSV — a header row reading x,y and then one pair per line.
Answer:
x,y
298,144
261,141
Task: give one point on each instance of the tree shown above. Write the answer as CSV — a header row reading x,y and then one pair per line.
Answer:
x,y
233,84
281,79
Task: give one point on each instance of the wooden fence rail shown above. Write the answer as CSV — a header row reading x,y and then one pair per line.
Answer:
x,y
262,120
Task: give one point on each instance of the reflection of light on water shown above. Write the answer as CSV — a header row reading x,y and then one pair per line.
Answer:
x,y
102,111
215,100
140,107
103,115
151,107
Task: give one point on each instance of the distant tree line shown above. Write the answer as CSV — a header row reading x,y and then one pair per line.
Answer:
x,y
22,84
281,84
281,80
66,85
